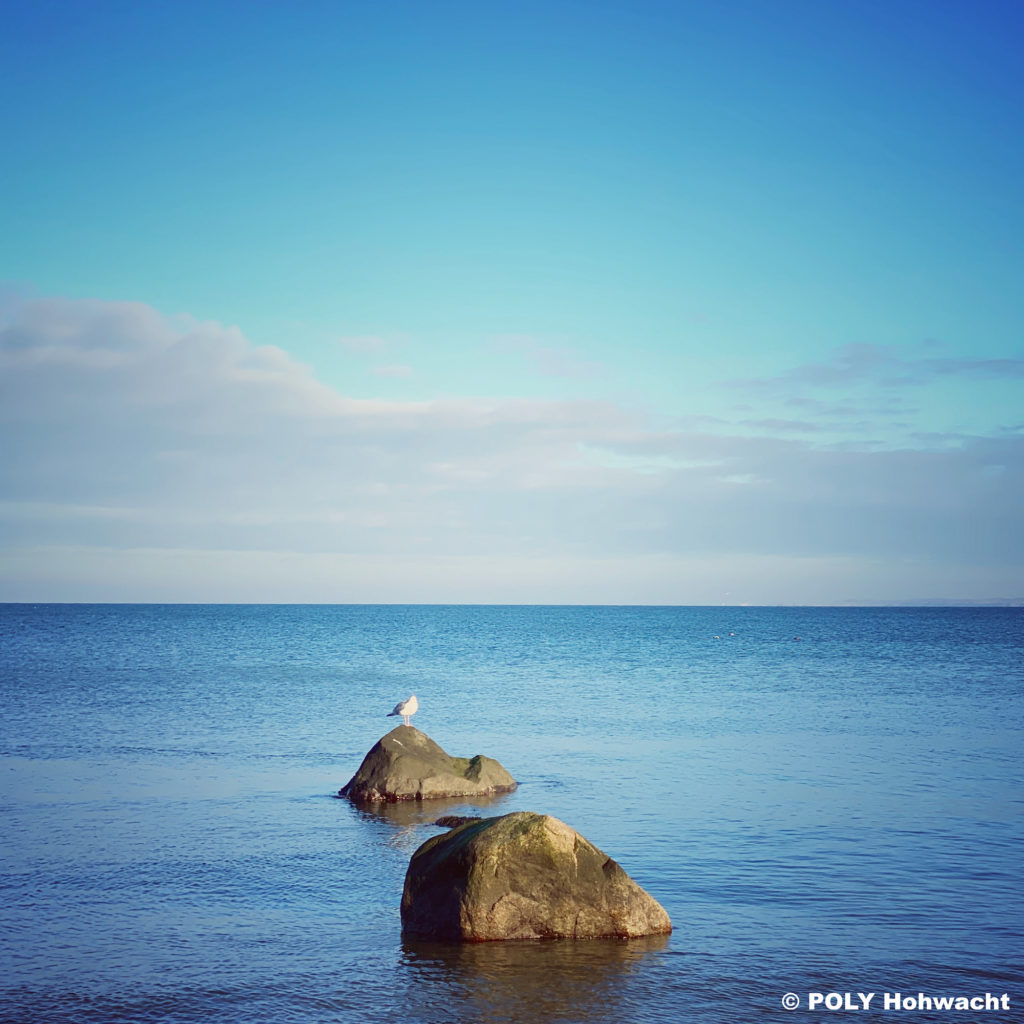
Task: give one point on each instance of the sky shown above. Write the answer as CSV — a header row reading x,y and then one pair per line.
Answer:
x,y
512,302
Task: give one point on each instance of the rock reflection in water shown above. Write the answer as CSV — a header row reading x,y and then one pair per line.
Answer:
x,y
407,824
527,982
407,813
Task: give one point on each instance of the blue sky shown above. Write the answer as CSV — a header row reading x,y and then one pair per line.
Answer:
x,y
616,302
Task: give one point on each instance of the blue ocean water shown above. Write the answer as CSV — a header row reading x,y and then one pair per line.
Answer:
x,y
838,813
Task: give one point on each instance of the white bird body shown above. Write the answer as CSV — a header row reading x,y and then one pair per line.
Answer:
x,y
406,708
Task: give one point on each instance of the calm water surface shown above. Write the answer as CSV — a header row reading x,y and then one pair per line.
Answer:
x,y
841,812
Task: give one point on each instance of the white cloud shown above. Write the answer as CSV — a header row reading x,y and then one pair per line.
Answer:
x,y
398,371
135,444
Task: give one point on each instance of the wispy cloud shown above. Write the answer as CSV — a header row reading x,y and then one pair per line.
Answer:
x,y
550,360
779,426
883,366
364,344
398,371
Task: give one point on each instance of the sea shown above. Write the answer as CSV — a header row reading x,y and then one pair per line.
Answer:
x,y
827,801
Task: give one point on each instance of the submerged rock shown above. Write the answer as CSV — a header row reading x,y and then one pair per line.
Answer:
x,y
408,765
522,876
455,820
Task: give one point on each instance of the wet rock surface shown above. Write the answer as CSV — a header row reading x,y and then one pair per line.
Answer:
x,y
522,876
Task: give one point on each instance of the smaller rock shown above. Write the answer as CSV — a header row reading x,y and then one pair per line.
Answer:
x,y
407,764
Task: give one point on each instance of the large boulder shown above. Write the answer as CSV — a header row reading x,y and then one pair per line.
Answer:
x,y
522,876
408,765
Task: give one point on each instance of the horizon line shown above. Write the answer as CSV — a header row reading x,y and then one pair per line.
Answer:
x,y
1008,602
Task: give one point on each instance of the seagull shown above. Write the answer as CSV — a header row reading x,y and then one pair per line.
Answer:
x,y
405,708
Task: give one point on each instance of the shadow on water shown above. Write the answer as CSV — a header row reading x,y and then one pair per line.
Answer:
x,y
526,982
407,813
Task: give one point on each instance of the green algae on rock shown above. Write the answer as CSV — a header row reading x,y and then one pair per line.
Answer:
x,y
522,876
407,764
